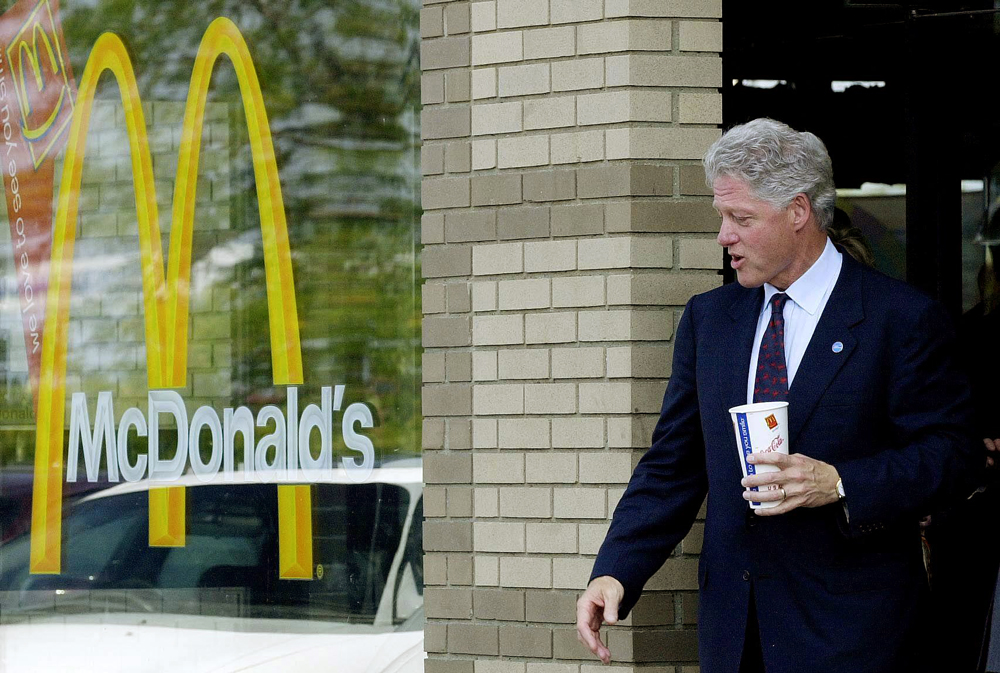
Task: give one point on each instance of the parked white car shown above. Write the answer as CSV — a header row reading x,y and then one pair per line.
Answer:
x,y
217,605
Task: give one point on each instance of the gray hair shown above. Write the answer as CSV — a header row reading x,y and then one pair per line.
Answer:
x,y
777,163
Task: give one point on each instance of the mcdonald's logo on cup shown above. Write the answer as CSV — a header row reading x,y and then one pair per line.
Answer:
x,y
166,303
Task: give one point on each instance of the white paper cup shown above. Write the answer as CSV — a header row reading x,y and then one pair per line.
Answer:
x,y
760,428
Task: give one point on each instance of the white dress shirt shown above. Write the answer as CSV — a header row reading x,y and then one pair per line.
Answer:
x,y
807,299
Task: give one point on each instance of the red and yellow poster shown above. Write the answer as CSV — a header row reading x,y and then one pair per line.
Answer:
x,y
36,106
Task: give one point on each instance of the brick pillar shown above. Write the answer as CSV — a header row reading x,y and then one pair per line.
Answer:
x,y
566,223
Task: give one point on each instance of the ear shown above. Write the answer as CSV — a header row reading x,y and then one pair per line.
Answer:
x,y
801,211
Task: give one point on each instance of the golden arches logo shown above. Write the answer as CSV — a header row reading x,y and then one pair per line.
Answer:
x,y
166,301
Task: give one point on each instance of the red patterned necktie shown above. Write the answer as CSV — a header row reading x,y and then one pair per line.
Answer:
x,y
771,384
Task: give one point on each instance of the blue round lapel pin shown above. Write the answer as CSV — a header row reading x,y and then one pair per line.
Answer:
x,y
837,346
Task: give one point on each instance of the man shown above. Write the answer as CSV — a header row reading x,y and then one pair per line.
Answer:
x,y
831,579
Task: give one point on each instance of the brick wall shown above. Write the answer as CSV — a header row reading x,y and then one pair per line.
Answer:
x,y
566,223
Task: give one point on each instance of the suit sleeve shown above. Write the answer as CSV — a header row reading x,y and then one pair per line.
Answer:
x,y
668,485
932,458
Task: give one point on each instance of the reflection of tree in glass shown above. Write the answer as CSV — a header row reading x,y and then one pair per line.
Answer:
x,y
341,89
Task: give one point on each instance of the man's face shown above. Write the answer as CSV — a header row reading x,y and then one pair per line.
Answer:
x,y
760,237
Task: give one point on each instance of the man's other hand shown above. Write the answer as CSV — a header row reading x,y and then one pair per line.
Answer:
x,y
801,482
992,446
598,604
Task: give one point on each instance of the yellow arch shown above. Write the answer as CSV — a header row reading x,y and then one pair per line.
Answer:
x,y
166,303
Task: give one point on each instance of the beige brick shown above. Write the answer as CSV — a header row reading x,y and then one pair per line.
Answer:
x,y
700,36
673,8
700,253
625,180
447,536
625,252
457,18
472,639
660,216
528,222
526,502
550,328
518,13
550,185
524,364
578,220
571,573
605,468
432,159
442,261
497,48
577,147
526,641
487,571
550,468
552,607
549,42
431,22
431,88
498,468
550,398
432,228
484,83
628,35
486,503
491,400
577,74
524,80
579,503
551,538
475,225
672,289
497,330
445,193
448,665
675,574
623,106
639,362
484,365
606,398
549,113
458,157
521,152
484,433
572,291
490,260
484,296
447,468
493,118
484,16
447,400
435,637
499,605
659,143
694,540
432,434
525,572
432,298
448,122
693,181
496,190
592,536
460,432
435,502
445,331
435,569
524,294
444,52
484,155
576,11
432,367
578,433
448,603
577,363
460,569
549,256
524,433
491,536
658,70
700,108
489,666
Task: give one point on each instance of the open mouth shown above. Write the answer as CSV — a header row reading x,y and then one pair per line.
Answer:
x,y
737,260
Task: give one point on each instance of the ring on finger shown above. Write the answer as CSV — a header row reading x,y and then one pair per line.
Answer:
x,y
783,494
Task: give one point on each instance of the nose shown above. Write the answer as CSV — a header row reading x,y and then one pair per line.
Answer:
x,y
727,235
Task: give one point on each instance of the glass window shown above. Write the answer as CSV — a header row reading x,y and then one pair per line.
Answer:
x,y
209,334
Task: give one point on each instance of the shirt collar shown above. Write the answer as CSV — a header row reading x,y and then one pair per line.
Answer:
x,y
808,291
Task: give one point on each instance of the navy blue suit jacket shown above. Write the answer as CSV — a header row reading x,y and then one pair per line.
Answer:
x,y
891,412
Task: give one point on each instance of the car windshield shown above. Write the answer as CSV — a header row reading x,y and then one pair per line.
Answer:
x,y
229,565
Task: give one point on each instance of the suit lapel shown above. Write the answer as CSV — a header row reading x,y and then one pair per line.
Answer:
x,y
744,312
820,363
